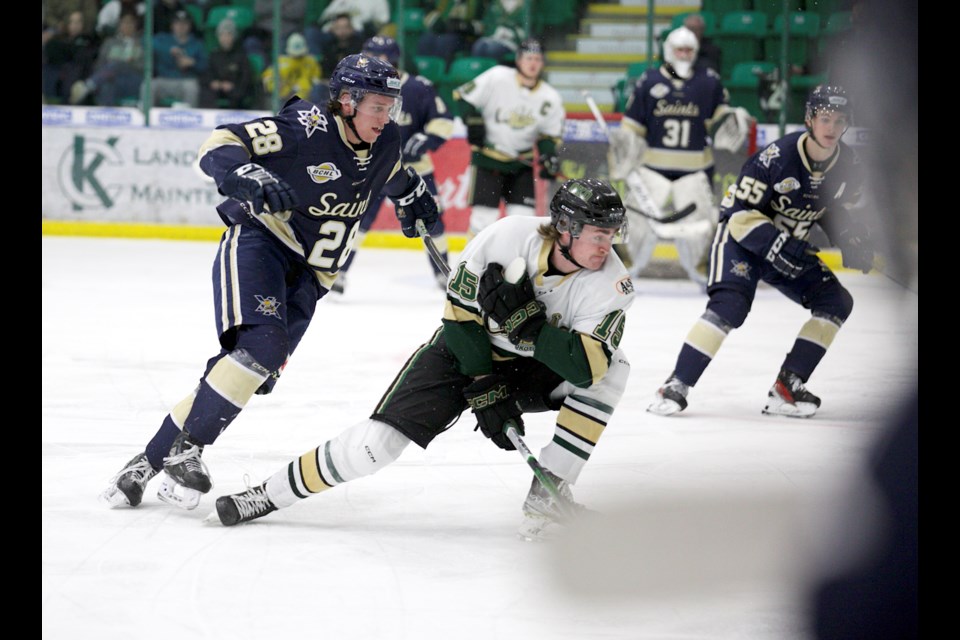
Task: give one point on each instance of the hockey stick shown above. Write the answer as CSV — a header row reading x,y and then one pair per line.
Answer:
x,y
511,429
648,208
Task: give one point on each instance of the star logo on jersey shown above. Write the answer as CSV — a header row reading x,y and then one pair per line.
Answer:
x,y
740,269
312,120
769,154
787,185
325,172
268,306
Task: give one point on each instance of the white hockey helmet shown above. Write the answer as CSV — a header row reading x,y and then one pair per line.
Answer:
x,y
681,38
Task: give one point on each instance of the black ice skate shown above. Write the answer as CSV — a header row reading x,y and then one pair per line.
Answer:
x,y
788,397
126,488
243,507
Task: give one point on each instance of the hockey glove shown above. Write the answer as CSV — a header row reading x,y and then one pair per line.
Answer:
x,y
417,145
495,408
512,306
251,182
853,243
476,131
416,203
791,256
549,166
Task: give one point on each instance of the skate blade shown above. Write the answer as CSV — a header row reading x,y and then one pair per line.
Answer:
x,y
664,407
787,410
212,519
174,493
113,498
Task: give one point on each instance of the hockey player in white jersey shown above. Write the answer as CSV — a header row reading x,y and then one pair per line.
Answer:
x,y
547,342
662,149
508,112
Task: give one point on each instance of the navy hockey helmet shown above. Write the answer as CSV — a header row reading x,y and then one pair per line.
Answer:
x,y
362,74
587,201
825,97
385,46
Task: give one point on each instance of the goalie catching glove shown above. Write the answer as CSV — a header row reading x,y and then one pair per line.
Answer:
x,y
513,306
259,186
416,203
495,408
733,130
790,256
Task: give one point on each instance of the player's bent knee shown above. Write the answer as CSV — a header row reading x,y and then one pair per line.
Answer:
x,y
266,344
482,217
728,306
520,210
365,448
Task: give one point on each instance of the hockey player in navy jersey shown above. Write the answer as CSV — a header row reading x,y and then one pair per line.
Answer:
x,y
425,124
549,341
297,184
663,151
805,178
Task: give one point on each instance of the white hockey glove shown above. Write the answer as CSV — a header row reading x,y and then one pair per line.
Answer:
x,y
733,130
625,152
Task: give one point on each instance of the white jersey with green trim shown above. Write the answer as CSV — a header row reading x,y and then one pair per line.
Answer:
x,y
515,116
593,303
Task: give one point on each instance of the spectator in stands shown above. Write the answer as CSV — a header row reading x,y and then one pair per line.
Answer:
x,y
179,59
342,40
450,27
108,20
299,71
708,55
502,31
118,71
228,80
68,57
164,13
258,38
367,16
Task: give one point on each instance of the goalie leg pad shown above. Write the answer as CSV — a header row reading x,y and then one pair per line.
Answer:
x,y
482,217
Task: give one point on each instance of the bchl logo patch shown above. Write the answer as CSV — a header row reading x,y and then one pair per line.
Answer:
x,y
312,120
268,306
325,172
787,185
659,90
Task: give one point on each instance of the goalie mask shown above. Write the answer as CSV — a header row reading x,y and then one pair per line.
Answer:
x,y
588,201
360,74
680,51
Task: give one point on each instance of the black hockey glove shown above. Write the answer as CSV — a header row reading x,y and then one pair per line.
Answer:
x,y
416,203
251,182
476,131
791,256
549,166
493,405
417,145
512,306
855,250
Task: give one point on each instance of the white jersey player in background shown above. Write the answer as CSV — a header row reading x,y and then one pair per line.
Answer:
x,y
509,112
662,150
547,341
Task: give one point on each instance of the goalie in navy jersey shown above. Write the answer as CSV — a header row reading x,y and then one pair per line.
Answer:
x,y
663,151
804,179
425,124
547,339
297,184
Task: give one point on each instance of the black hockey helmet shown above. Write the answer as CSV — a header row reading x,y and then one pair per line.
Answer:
x,y
587,201
530,45
826,97
383,46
